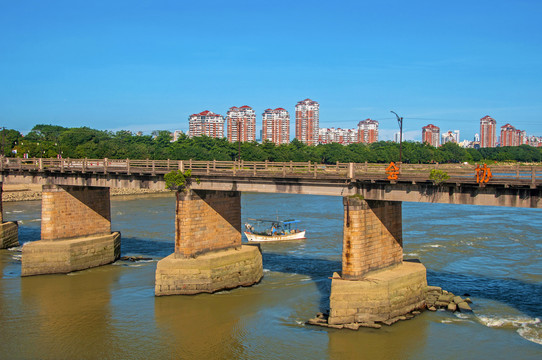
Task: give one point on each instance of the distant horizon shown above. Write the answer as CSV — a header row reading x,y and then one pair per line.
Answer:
x,y
148,66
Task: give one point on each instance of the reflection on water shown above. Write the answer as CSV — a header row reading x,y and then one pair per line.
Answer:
x,y
111,312
68,314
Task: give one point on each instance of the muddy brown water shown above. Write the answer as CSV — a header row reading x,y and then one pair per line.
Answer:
x,y
493,254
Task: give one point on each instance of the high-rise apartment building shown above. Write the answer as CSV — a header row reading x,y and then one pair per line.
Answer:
x,y
431,135
206,123
368,131
276,126
510,136
341,136
535,141
487,132
450,136
241,124
307,114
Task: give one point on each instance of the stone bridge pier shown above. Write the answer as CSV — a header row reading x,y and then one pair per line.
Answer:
x,y
375,283
75,231
9,231
208,253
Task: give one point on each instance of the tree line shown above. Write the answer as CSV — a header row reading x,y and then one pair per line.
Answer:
x,y
84,142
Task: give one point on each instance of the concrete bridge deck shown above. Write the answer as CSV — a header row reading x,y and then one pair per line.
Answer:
x,y
514,185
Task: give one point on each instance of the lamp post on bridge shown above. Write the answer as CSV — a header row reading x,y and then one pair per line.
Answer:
x,y
400,121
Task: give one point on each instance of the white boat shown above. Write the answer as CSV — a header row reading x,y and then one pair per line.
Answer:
x,y
275,231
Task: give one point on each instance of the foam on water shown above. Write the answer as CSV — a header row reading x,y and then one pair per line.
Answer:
x,y
531,332
528,328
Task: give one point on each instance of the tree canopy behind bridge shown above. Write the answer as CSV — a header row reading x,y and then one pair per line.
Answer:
x,y
84,142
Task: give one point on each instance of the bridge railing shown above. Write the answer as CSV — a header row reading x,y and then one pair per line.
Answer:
x,y
458,173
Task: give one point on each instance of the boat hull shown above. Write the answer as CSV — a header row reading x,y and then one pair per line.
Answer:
x,y
264,238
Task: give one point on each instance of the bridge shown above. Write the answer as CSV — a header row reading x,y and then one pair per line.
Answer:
x,y
209,254
513,185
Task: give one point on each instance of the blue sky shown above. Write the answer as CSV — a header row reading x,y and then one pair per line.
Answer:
x,y
145,65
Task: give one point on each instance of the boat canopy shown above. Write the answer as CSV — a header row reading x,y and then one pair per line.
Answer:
x,y
284,222
290,221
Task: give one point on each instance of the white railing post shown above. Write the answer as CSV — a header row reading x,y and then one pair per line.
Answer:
x,y
105,165
351,170
128,166
40,164
181,166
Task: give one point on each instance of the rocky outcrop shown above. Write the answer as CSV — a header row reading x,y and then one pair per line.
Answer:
x,y
436,298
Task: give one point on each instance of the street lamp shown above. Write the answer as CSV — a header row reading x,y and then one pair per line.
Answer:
x,y
400,121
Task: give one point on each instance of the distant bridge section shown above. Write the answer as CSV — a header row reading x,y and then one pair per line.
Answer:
x,y
514,185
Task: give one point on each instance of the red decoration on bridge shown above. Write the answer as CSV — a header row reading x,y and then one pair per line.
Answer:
x,y
392,171
483,174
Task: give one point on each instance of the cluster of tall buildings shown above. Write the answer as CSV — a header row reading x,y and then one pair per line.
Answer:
x,y
366,132
509,136
240,125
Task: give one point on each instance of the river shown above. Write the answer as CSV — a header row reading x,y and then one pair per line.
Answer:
x,y
493,254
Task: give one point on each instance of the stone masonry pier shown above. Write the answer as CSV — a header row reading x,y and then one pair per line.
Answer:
x,y
75,231
375,284
208,253
9,231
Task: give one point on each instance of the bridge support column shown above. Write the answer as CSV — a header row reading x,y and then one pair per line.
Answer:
x,y
75,231
208,253
375,284
9,231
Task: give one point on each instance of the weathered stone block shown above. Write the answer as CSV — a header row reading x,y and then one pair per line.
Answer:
x,y
71,212
9,234
372,237
380,296
55,257
206,221
209,272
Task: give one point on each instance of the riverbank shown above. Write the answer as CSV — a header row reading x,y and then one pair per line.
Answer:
x,y
26,192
